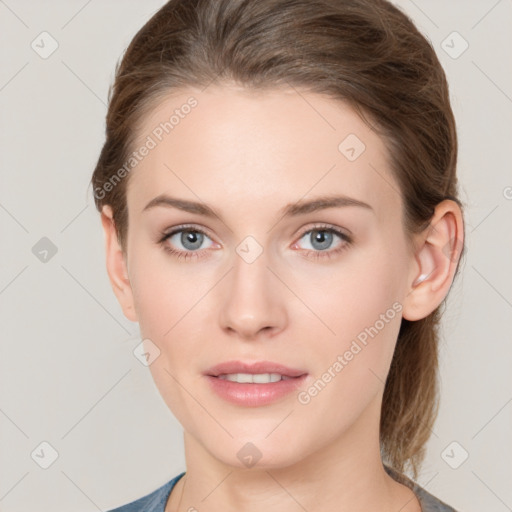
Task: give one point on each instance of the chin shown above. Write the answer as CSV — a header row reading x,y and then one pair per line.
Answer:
x,y
256,453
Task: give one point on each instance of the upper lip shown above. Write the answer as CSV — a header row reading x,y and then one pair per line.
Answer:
x,y
230,367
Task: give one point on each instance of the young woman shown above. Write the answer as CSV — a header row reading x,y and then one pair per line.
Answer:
x,y
279,199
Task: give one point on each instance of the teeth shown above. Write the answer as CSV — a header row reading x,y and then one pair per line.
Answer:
x,y
258,378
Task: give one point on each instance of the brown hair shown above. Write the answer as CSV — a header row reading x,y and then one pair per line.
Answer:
x,y
364,52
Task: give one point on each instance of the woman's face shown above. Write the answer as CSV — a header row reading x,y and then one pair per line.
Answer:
x,y
268,280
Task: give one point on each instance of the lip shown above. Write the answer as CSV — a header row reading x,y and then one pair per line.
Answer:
x,y
252,394
253,368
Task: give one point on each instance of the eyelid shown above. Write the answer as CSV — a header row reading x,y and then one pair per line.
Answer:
x,y
344,232
186,227
346,240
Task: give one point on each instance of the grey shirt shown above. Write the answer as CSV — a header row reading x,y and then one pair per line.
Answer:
x,y
156,500
428,502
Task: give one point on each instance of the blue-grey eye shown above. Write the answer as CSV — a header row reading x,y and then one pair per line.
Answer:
x,y
190,240
320,239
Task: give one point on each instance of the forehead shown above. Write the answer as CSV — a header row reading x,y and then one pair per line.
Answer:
x,y
228,144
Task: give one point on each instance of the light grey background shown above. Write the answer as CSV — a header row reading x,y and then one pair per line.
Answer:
x,y
67,372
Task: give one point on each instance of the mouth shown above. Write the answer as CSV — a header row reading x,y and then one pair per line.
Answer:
x,y
253,378
255,384
258,372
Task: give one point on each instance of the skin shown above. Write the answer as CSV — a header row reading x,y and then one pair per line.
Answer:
x,y
247,155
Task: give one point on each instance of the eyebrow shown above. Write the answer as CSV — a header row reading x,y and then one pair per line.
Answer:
x,y
290,210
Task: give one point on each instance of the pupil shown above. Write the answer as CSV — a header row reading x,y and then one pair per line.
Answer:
x,y
323,238
192,239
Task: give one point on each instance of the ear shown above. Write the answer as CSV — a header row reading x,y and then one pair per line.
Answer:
x,y
116,265
437,255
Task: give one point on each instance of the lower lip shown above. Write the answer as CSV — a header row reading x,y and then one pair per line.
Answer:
x,y
254,395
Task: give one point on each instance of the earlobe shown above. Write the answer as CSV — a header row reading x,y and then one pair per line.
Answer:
x,y
436,260
116,265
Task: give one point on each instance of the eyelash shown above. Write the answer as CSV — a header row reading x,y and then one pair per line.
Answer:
x,y
187,255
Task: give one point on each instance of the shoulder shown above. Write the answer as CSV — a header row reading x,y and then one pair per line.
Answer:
x,y
428,502
152,502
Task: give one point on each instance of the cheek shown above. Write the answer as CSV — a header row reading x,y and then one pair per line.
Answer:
x,y
351,366
168,304
353,295
173,307
360,303
162,292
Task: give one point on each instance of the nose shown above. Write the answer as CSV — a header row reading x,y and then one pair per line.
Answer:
x,y
252,302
